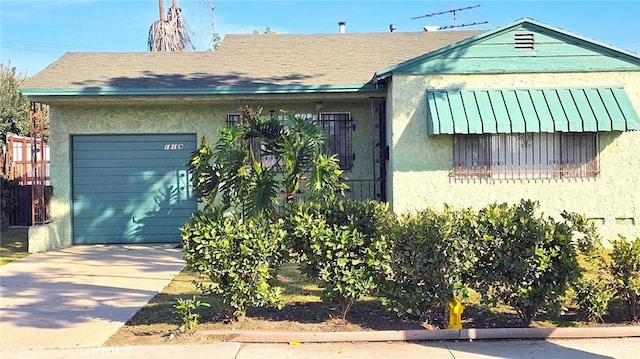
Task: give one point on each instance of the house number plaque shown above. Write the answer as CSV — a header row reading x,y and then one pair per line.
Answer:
x,y
173,146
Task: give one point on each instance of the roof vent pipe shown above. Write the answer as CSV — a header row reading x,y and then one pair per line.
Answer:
x,y
341,27
392,27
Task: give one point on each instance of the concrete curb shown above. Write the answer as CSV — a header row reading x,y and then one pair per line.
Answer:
x,y
258,336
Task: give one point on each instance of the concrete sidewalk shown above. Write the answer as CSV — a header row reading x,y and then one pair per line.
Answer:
x,y
67,303
551,349
81,295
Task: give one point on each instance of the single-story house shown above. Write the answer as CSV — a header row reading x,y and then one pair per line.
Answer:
x,y
419,119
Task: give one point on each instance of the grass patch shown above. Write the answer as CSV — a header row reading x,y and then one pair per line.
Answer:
x,y
14,244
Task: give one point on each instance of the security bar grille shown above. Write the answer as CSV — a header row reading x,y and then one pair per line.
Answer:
x,y
526,156
338,128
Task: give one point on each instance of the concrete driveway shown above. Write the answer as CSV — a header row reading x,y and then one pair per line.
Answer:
x,y
81,295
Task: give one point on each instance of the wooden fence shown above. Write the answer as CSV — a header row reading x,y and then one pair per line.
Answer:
x,y
26,184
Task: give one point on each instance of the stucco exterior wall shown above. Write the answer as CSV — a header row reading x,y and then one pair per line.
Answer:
x,y
136,116
420,164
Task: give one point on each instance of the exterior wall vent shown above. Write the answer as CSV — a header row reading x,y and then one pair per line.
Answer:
x,y
523,40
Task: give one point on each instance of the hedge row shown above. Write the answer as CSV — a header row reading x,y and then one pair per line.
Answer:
x,y
414,263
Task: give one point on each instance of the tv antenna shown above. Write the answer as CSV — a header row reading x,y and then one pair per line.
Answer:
x,y
455,23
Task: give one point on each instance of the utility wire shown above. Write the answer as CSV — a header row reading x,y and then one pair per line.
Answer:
x,y
32,50
40,45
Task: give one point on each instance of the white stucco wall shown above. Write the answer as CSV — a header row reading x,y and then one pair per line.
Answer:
x,y
420,164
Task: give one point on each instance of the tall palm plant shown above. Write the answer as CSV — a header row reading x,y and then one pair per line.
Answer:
x,y
170,32
261,163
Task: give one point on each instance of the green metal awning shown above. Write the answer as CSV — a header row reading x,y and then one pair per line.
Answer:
x,y
588,109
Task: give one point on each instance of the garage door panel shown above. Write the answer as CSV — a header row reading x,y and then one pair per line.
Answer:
x,y
107,200
161,181
131,231
128,154
161,191
134,177
127,214
140,195
116,239
124,230
143,139
122,172
116,163
131,146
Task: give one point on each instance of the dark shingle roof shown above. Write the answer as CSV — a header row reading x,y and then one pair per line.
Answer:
x,y
246,61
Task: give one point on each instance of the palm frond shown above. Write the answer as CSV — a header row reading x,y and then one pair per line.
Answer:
x,y
262,197
163,37
205,176
326,180
171,34
181,28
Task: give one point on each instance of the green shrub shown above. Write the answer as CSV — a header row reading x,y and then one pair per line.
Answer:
x,y
593,296
431,256
528,261
8,198
343,244
625,269
262,162
186,308
240,257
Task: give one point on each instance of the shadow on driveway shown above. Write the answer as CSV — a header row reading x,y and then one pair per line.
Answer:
x,y
79,296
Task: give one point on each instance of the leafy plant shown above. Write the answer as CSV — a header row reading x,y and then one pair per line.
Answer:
x,y
262,162
239,256
343,244
254,168
526,260
593,292
430,260
625,269
8,196
593,296
14,107
186,308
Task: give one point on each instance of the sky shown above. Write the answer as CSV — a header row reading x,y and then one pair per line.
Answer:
x,y
34,33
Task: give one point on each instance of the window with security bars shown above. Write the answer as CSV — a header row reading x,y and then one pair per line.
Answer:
x,y
338,129
526,155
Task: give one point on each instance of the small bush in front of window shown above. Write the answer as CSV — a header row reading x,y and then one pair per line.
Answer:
x,y
625,269
431,259
528,261
593,296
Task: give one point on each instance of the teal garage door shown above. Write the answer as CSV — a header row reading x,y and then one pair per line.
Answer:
x,y
131,188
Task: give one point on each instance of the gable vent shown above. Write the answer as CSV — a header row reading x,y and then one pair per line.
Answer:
x,y
523,41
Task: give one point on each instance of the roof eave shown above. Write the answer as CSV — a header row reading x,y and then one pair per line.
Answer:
x,y
220,90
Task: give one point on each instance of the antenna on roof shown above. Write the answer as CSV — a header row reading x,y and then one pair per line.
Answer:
x,y
452,11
